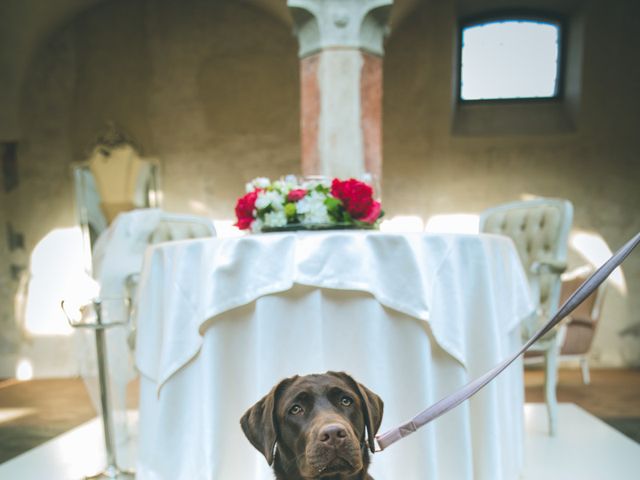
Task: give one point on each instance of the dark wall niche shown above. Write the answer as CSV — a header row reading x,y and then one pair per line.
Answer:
x,y
9,154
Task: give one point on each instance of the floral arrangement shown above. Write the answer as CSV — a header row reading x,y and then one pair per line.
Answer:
x,y
312,203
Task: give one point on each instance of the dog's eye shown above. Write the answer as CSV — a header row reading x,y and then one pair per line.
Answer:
x,y
346,401
295,410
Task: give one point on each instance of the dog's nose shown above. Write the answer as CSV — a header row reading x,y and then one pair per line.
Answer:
x,y
332,434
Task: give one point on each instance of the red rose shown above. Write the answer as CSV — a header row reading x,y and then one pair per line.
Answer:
x,y
297,194
357,199
373,214
244,210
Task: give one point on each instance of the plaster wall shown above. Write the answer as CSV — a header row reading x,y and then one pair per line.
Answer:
x,y
211,90
208,88
594,162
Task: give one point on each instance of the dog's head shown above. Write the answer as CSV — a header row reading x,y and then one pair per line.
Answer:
x,y
321,424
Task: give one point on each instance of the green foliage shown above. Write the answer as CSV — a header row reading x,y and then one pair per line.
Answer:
x,y
290,210
334,208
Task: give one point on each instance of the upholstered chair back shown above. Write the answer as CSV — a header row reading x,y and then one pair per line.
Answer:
x,y
122,178
181,227
111,182
583,321
539,229
170,227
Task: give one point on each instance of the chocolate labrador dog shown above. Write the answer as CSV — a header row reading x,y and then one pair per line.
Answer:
x,y
316,427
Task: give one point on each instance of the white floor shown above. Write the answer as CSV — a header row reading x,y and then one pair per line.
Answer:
x,y
585,449
70,456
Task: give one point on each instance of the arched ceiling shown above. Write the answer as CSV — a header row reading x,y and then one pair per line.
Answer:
x,y
25,24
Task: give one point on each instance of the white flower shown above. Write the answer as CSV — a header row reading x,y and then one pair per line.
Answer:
x,y
312,182
262,201
275,219
256,226
261,182
273,198
311,209
282,187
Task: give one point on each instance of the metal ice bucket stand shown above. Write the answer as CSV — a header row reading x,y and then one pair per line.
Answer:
x,y
112,470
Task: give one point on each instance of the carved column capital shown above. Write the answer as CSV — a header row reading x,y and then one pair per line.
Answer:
x,y
325,24
341,49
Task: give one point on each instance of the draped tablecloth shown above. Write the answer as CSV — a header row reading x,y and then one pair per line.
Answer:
x,y
411,316
118,253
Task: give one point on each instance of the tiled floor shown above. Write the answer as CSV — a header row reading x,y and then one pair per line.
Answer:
x,y
613,395
585,449
70,456
32,413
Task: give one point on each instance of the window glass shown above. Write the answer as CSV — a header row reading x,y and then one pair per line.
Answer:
x,y
510,59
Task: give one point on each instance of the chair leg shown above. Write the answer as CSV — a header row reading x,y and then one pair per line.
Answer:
x,y
550,381
584,365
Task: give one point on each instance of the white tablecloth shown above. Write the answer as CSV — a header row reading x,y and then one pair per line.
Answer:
x,y
411,316
118,254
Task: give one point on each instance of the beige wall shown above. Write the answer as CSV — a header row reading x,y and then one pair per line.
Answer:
x,y
211,90
208,88
429,170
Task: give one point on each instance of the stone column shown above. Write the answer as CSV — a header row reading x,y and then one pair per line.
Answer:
x,y
341,50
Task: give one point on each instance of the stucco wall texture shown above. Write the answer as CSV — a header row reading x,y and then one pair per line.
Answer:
x,y
211,89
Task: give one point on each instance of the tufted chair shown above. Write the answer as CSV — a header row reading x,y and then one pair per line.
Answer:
x,y
583,321
114,179
539,229
174,227
171,227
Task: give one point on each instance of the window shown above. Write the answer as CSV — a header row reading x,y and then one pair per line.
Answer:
x,y
510,58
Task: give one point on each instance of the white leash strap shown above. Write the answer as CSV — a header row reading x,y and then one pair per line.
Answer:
x,y
442,406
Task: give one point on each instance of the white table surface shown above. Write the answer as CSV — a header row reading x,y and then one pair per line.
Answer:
x,y
411,316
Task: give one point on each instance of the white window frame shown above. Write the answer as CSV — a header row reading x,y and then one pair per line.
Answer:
x,y
502,16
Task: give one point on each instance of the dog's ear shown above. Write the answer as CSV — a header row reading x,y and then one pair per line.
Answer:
x,y
259,422
372,405
373,410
